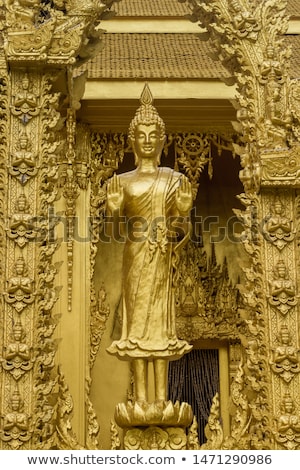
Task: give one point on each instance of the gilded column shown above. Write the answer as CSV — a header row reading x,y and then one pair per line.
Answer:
x,y
247,38
42,44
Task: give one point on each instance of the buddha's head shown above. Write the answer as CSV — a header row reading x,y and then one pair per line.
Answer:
x,y
147,130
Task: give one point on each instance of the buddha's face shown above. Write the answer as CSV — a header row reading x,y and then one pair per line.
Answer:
x,y
147,141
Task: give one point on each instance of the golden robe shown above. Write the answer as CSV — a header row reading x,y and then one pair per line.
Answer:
x,y
149,261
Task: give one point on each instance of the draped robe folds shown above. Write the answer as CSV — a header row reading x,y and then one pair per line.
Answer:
x,y
148,326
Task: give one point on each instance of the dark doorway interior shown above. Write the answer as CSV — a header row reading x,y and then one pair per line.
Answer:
x,y
194,379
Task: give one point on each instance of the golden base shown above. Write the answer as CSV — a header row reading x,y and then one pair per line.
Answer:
x,y
158,413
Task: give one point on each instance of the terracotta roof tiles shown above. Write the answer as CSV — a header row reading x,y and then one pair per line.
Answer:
x,y
164,56
169,8
294,42
293,8
161,56
151,8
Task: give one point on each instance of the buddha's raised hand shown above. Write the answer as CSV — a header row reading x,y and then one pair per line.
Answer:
x,y
184,196
115,194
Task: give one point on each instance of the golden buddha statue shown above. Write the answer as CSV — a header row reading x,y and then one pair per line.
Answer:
x,y
154,201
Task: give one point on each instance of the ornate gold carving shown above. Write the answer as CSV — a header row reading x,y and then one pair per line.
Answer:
x,y
193,153
288,425
113,150
114,436
37,35
108,152
155,438
285,359
16,426
250,175
20,288
57,33
253,373
207,305
23,162
25,103
255,59
278,227
45,378
239,437
22,228
93,427
99,310
65,437
281,168
192,437
156,413
17,358
98,322
70,193
213,429
282,289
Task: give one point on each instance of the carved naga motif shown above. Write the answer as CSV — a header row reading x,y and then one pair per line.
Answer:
x,y
58,32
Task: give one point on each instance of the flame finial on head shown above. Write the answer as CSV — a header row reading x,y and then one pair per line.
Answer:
x,y
146,114
146,98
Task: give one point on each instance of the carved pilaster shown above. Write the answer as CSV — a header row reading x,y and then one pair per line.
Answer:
x,y
41,42
247,37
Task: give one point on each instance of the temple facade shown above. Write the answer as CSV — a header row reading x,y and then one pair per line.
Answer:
x,y
223,76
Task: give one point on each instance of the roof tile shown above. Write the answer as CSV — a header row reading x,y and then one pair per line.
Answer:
x,y
160,56
164,56
169,8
